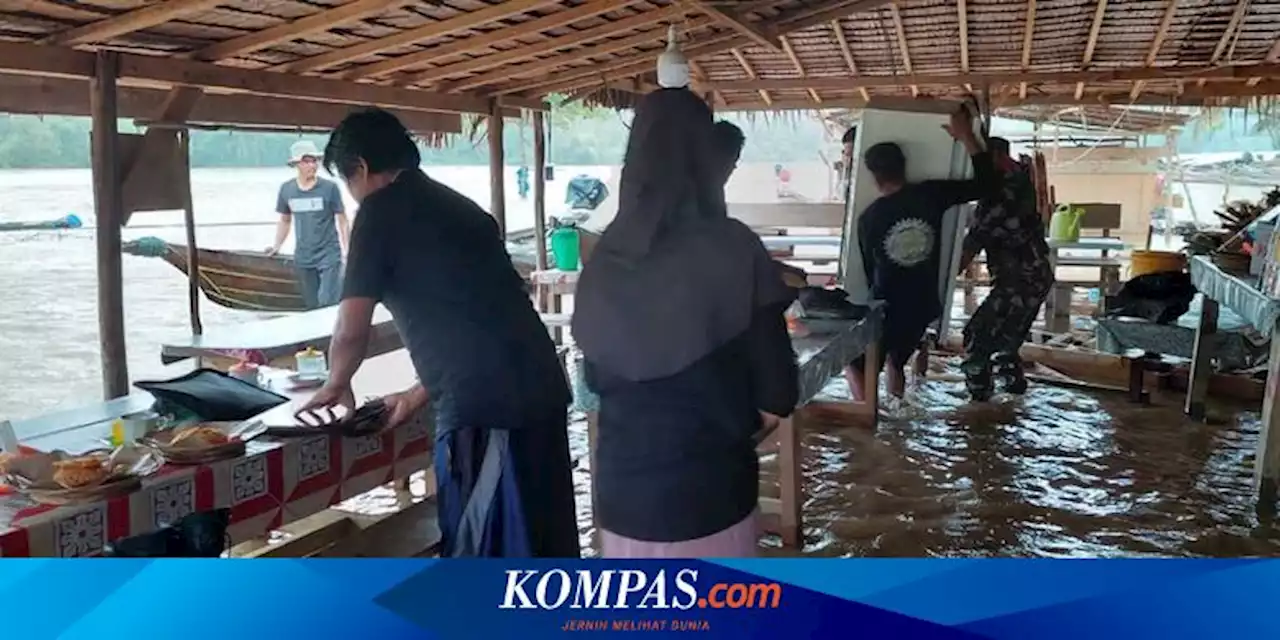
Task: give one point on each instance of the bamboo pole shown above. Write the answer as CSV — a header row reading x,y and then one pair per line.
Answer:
x,y
497,184
108,203
193,255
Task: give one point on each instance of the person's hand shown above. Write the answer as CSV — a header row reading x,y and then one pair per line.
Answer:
x,y
271,251
319,410
960,125
405,405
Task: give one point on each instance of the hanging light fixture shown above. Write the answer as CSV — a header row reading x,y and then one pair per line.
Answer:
x,y
673,69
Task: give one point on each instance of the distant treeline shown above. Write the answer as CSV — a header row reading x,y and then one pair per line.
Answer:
x,y
578,136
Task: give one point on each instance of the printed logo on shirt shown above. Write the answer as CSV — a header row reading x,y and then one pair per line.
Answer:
x,y
909,242
306,205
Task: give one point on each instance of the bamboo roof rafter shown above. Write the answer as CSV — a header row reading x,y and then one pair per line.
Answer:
x,y
455,54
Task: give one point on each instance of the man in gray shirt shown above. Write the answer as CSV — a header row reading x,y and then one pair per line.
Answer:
x,y
314,206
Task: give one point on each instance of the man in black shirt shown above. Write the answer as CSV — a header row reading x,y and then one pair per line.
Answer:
x,y
898,235
484,359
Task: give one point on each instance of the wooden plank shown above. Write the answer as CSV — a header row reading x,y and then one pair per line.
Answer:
x,y
476,42
811,15
70,97
193,254
1201,360
145,17
539,192
295,29
553,45
901,32
1091,44
151,70
1028,32
497,161
1153,53
108,200
762,35
838,28
788,214
791,482
1236,72
457,24
1266,475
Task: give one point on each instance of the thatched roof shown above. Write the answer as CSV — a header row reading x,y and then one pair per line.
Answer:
x,y
455,55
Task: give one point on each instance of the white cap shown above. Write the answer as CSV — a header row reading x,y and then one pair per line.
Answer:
x,y
303,149
673,69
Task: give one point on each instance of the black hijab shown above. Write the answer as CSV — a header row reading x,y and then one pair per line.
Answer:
x,y
673,278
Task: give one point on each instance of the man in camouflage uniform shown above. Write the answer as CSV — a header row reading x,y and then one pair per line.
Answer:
x,y
1008,227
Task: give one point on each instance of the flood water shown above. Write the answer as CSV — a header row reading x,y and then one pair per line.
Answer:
x,y
1059,472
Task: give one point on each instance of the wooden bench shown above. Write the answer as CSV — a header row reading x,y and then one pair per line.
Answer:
x,y
277,340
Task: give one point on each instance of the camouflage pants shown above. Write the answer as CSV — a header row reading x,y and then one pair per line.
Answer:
x,y
1000,325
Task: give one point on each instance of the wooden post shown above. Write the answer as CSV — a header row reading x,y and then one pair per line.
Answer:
x,y
540,190
1201,365
108,204
193,255
1266,474
497,182
790,481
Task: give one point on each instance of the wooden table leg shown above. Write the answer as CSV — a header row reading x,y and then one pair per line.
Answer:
x,y
871,382
1201,360
790,481
1266,474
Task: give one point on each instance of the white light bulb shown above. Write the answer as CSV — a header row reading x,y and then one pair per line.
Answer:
x,y
673,69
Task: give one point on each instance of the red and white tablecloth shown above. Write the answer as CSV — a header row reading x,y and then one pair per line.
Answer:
x,y
276,482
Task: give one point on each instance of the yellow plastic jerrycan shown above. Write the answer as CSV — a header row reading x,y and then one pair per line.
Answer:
x,y
1064,226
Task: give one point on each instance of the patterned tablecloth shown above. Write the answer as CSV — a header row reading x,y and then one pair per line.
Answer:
x,y
277,482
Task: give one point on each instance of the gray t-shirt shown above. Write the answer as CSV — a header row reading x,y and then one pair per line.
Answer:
x,y
314,227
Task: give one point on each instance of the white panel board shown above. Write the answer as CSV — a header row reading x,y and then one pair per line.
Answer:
x,y
931,154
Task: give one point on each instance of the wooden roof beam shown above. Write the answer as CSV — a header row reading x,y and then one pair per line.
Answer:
x,y
464,22
762,35
143,70
711,44
901,33
143,18
962,17
550,46
1028,36
505,74
1092,43
1239,73
1227,41
1272,57
70,97
751,73
1153,54
847,52
436,55
795,61
295,29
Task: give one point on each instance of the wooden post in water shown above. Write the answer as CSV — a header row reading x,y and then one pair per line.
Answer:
x,y
497,184
540,191
108,207
193,255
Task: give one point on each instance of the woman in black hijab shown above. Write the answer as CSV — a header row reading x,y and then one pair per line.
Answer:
x,y
679,315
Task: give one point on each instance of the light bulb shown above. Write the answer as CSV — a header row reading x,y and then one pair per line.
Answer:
x,y
673,69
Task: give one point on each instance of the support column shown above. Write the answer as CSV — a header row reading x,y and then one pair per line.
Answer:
x,y
1201,361
1267,470
193,254
108,204
497,181
540,190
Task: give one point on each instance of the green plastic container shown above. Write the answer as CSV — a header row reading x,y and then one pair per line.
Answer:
x,y
564,247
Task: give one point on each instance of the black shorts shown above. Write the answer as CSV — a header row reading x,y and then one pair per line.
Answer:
x,y
900,338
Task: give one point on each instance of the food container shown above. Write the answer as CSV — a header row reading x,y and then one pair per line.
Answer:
x,y
246,371
311,363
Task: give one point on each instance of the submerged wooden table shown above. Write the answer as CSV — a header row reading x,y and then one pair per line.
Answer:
x,y
1241,295
276,482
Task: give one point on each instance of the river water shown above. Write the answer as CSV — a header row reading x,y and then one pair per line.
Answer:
x,y
1056,473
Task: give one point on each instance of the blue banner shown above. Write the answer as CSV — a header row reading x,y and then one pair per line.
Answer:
x,y
788,599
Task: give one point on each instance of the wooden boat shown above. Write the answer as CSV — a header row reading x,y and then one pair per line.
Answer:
x,y
255,281
245,280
